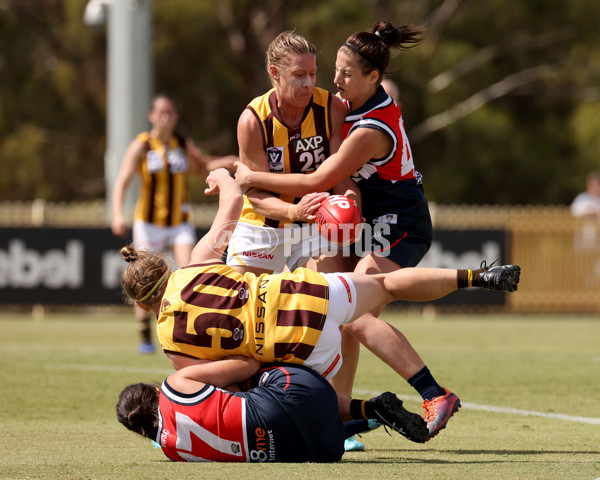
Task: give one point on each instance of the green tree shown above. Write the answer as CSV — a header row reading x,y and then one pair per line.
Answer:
x,y
500,100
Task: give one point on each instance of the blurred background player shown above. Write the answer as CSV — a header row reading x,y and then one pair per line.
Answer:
x,y
162,158
588,203
392,89
586,206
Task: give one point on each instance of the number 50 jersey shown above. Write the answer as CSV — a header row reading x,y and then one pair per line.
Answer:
x,y
212,311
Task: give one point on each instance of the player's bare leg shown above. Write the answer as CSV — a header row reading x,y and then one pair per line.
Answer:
x,y
389,344
355,332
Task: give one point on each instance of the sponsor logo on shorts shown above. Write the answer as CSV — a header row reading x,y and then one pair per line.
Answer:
x,y
265,446
266,256
390,218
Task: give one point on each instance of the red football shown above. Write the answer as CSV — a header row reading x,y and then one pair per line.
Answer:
x,y
339,219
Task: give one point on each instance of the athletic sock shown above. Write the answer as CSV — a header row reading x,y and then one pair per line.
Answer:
x,y
361,409
353,427
424,383
468,278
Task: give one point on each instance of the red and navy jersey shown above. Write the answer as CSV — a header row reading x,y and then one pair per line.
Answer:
x,y
209,425
289,415
393,200
383,114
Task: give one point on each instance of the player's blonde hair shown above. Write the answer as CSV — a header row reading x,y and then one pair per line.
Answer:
x,y
285,46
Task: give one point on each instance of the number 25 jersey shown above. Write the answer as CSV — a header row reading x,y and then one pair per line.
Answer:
x,y
212,311
290,150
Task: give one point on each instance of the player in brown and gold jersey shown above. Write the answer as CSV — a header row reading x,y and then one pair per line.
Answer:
x,y
208,311
162,159
292,128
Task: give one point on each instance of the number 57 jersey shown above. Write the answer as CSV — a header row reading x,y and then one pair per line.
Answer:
x,y
212,312
289,415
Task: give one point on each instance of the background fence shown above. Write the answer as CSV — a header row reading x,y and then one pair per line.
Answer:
x,y
559,254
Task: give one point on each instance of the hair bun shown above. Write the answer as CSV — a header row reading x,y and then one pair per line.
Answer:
x,y
129,254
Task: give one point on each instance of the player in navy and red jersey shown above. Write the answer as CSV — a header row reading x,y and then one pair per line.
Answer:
x,y
289,414
208,311
375,151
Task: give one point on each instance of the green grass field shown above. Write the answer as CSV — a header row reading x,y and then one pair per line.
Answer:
x,y
530,388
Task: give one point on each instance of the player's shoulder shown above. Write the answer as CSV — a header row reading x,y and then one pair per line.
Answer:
x,y
262,102
143,137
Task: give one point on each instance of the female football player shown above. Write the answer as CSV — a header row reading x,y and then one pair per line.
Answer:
x,y
208,311
376,153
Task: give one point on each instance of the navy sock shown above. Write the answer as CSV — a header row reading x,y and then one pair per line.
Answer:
x,y
353,427
424,383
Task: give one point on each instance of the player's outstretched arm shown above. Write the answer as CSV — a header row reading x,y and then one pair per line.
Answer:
x,y
213,244
354,152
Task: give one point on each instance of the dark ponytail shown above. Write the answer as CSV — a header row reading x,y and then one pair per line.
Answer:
x,y
137,409
373,47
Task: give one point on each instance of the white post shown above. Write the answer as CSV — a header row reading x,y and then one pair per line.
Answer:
x,y
130,85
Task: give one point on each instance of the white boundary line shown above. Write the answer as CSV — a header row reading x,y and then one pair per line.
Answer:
x,y
109,368
466,405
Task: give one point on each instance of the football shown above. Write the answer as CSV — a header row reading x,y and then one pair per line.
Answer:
x,y
339,219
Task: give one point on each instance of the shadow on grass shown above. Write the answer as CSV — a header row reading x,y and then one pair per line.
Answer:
x,y
407,456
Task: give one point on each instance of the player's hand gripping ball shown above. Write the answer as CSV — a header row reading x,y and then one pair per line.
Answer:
x,y
339,219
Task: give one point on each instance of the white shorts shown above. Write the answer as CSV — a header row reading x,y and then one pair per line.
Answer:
x,y
326,357
275,248
152,238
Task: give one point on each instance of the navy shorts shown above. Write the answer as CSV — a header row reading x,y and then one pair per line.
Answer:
x,y
399,216
292,416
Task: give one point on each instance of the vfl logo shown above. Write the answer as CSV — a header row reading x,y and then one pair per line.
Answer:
x,y
275,155
176,160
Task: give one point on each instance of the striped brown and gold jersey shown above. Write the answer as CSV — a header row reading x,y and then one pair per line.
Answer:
x,y
298,150
163,198
212,311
